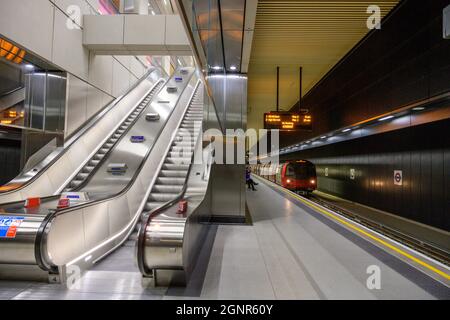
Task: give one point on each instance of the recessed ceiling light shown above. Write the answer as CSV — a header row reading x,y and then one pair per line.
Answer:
x,y
217,68
323,137
418,108
385,118
233,68
346,130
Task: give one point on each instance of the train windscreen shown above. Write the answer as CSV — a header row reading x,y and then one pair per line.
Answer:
x,y
301,171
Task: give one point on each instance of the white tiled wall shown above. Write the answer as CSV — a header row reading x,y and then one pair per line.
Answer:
x,y
40,26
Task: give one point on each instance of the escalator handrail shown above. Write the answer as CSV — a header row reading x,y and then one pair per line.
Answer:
x,y
11,92
77,135
39,240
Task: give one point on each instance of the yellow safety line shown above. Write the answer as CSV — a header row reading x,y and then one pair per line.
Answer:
x,y
403,253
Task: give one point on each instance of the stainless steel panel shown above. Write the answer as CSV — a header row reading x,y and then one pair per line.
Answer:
x,y
36,100
20,250
55,102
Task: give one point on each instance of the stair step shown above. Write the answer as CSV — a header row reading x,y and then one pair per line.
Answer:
x,y
170,181
94,162
161,197
99,156
173,173
151,205
82,176
75,183
169,189
178,160
182,149
171,166
88,169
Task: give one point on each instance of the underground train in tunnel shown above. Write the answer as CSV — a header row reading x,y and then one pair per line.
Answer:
x,y
297,175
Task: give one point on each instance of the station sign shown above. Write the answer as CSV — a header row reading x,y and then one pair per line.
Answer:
x,y
137,139
9,226
63,203
398,177
117,168
172,89
178,79
75,196
352,174
287,121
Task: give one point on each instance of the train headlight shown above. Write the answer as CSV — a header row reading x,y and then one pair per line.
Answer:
x,y
313,181
288,180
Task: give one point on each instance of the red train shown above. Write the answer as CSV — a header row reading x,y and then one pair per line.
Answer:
x,y
298,176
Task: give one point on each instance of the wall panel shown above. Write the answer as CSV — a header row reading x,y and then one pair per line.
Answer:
x,y
404,62
420,152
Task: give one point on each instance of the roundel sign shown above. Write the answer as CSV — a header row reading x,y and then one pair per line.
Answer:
x,y
398,177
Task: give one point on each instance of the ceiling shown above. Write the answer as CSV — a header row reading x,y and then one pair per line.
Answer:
x,y
311,34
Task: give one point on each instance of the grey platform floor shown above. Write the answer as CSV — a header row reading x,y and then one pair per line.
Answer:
x,y
289,252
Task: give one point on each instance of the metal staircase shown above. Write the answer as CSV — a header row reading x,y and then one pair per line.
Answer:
x,y
174,171
90,166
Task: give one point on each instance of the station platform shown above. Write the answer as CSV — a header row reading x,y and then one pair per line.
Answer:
x,y
290,250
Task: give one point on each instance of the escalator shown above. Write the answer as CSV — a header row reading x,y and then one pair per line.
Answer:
x,y
49,241
89,168
175,222
172,176
172,172
49,176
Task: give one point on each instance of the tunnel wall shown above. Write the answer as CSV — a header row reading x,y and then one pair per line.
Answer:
x,y
404,62
421,152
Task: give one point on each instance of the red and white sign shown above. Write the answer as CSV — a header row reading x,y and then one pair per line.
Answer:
x,y
12,231
32,202
182,207
398,177
63,203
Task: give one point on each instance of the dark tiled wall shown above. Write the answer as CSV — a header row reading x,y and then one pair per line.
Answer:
x,y
404,62
421,152
9,160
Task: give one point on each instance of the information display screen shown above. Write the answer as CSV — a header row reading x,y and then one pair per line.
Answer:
x,y
288,121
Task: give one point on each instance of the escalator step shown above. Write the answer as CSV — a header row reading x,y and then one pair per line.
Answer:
x,y
151,205
87,169
75,183
94,162
161,197
170,181
168,189
82,176
173,173
171,166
